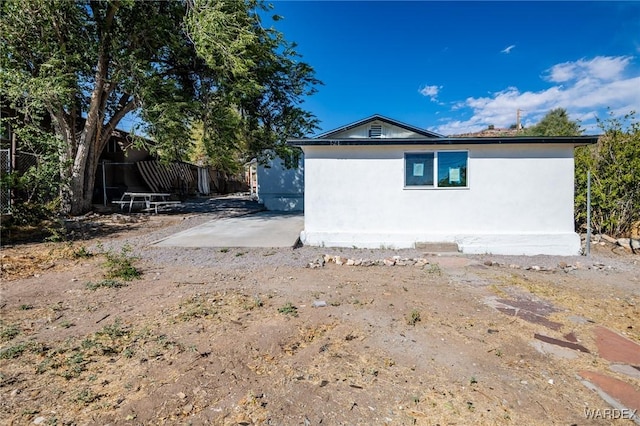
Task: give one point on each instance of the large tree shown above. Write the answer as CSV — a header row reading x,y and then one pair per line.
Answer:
x,y
85,65
555,123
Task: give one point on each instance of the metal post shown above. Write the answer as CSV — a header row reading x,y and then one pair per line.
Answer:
x,y
588,247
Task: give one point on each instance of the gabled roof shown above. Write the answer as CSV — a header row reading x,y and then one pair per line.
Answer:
x,y
378,117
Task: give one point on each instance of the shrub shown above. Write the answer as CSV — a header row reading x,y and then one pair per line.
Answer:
x,y
615,182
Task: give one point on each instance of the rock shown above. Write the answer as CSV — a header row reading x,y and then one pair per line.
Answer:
x,y
535,268
624,242
350,262
357,262
338,260
421,262
562,265
328,258
608,239
318,263
389,262
39,420
514,266
488,263
319,304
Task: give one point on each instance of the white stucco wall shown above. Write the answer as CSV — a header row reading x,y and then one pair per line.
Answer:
x,y
519,200
279,188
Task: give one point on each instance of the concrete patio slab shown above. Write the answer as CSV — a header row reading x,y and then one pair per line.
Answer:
x,y
262,229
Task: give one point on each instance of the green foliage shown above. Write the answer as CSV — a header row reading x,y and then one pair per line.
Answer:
x,y
82,253
121,265
14,351
114,331
414,317
75,69
288,309
555,123
8,332
252,106
104,284
614,163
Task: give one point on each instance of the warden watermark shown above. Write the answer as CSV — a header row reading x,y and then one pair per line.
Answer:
x,y
610,413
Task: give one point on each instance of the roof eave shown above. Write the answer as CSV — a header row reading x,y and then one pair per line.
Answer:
x,y
571,140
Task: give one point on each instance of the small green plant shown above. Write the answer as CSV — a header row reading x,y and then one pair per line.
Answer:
x,y
196,307
114,330
26,307
434,269
13,351
66,324
224,250
109,283
414,317
82,253
289,309
75,364
85,396
241,253
8,332
257,302
121,265
473,381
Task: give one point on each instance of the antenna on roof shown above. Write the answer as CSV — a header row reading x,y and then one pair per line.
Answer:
x,y
518,123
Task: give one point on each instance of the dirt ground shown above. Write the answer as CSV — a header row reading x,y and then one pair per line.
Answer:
x,y
252,336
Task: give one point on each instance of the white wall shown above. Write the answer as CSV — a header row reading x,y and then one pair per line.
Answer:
x,y
519,200
279,188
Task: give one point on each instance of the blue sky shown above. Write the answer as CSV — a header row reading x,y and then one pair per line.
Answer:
x,y
455,67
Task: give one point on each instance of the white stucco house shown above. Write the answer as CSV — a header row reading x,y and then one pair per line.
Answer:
x,y
381,183
280,188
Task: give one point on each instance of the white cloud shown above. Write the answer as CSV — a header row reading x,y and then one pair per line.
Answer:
x,y
584,87
600,67
508,49
431,92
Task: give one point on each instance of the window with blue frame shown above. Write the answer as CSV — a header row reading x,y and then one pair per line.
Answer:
x,y
440,169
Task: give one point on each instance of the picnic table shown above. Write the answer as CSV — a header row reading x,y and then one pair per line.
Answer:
x,y
150,200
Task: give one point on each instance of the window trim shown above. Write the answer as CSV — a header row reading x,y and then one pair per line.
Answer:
x,y
435,171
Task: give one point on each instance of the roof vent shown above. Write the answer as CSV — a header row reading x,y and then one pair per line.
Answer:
x,y
375,131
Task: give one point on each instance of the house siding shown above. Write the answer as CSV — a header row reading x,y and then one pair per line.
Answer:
x,y
388,131
279,188
519,200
